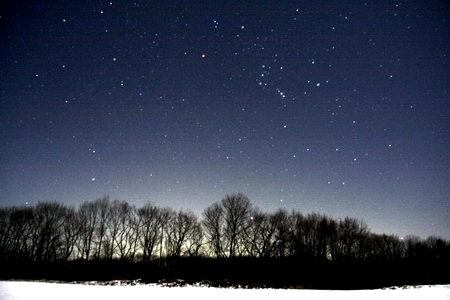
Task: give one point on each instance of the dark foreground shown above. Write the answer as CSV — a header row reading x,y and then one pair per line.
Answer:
x,y
242,271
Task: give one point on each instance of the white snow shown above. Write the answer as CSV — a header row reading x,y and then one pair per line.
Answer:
x,y
20,290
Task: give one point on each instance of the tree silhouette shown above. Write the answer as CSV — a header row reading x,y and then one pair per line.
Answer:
x,y
237,208
213,224
231,229
180,231
149,229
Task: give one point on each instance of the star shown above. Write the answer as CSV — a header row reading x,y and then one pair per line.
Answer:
x,y
214,120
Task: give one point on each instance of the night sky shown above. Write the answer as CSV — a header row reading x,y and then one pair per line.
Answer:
x,y
341,109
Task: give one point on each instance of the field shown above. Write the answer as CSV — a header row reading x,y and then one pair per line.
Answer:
x,y
22,290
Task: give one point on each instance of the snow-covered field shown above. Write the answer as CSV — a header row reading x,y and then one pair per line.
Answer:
x,y
15,290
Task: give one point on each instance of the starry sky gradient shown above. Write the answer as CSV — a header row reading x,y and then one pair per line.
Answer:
x,y
340,109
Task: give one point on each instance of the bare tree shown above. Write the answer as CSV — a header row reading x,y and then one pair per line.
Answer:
x,y
88,218
351,236
237,208
44,231
165,218
437,249
113,227
5,232
195,241
179,231
70,233
260,235
103,215
382,247
22,245
127,235
415,248
149,229
213,224
283,224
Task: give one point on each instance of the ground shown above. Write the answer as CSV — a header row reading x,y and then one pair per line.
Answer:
x,y
22,290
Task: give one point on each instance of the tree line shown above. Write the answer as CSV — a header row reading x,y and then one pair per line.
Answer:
x,y
106,229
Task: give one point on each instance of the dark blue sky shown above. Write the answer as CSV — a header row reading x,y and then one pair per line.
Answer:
x,y
341,109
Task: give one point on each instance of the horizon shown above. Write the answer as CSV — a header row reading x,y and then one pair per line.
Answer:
x,y
199,213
